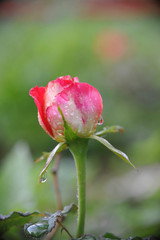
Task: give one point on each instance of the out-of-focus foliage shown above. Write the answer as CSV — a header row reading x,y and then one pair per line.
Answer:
x,y
121,58
34,53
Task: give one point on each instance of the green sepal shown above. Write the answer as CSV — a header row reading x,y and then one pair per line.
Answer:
x,y
45,155
69,134
111,129
50,157
113,149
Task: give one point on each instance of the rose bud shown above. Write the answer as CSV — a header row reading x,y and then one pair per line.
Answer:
x,y
80,103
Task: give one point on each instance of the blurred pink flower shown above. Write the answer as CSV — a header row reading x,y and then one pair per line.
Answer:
x,y
111,45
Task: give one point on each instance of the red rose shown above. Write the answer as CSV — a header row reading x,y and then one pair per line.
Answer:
x,y
80,103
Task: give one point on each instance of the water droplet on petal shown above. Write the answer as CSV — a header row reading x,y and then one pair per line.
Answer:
x,y
100,121
43,178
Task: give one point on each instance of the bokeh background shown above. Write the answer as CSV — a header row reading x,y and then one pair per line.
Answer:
x,y
114,46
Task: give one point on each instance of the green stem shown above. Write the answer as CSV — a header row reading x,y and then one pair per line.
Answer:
x,y
79,149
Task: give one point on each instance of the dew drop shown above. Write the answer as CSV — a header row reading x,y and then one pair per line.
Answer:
x,y
36,230
100,121
43,178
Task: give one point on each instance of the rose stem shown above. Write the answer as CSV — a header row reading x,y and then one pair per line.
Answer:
x,y
78,149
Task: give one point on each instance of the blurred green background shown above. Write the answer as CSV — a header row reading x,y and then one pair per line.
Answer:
x,y
116,51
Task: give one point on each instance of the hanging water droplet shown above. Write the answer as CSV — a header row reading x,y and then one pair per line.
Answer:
x,y
100,121
43,178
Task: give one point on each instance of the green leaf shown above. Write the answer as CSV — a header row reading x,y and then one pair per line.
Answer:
x,y
139,238
113,149
87,237
71,208
46,224
110,236
69,134
51,155
15,218
111,129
